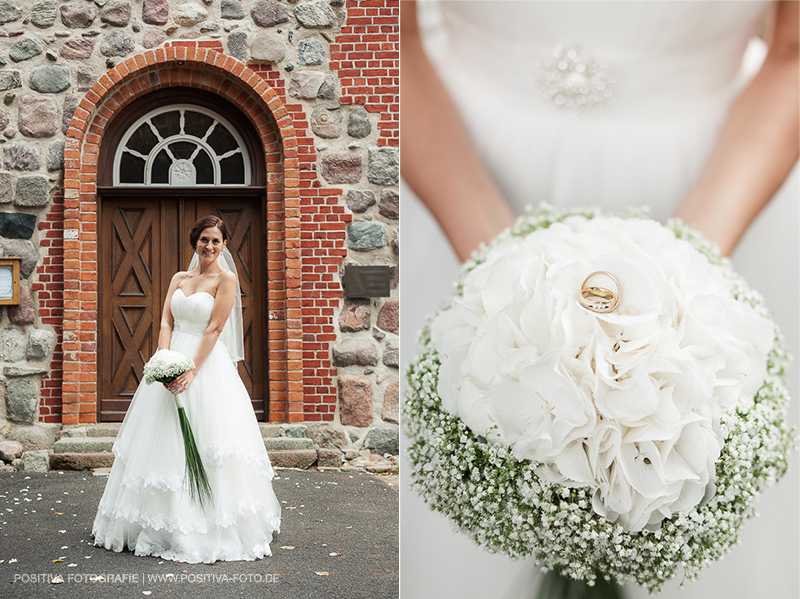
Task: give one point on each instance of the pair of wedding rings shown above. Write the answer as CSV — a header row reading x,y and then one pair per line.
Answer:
x,y
600,292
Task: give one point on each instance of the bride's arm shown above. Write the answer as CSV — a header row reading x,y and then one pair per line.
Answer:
x,y
758,145
223,304
440,162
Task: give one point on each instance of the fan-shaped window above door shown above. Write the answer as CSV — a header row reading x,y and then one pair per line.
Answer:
x,y
181,145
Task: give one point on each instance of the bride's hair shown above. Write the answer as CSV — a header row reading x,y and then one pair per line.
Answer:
x,y
205,223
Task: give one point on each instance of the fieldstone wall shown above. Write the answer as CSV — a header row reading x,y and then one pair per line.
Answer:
x,y
336,61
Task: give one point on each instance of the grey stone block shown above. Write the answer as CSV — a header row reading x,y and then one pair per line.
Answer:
x,y
328,435
43,14
237,45
22,156
9,12
55,156
329,458
24,49
49,79
310,52
38,436
232,10
6,188
355,352
35,461
20,371
383,441
22,399
40,344
315,14
364,236
117,43
32,190
297,431
384,166
358,124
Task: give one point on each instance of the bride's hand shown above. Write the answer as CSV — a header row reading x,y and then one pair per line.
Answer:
x,y
180,384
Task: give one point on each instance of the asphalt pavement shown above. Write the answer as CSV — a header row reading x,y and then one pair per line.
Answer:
x,y
338,540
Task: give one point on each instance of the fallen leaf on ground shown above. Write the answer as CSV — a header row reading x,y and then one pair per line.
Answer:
x,y
57,579
322,573
13,560
287,546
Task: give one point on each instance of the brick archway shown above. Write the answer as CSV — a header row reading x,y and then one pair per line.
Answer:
x,y
206,69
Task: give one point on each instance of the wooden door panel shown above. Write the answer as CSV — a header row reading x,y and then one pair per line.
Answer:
x,y
130,286
143,243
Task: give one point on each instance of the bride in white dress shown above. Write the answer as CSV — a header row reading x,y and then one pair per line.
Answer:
x,y
676,118
146,504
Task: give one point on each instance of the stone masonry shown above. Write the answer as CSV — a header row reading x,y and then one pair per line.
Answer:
x,y
334,63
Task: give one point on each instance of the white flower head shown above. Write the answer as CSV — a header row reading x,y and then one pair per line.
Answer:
x,y
627,404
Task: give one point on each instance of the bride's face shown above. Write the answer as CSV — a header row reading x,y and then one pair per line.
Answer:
x,y
210,244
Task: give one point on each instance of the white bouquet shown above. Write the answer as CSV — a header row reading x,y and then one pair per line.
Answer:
x,y
164,367
603,393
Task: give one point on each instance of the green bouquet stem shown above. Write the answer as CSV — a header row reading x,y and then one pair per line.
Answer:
x,y
556,586
199,488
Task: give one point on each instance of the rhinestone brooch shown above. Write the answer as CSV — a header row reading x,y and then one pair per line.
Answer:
x,y
575,82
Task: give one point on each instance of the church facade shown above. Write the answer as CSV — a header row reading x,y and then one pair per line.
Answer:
x,y
123,122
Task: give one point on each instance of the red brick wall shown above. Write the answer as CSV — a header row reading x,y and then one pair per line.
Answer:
x,y
48,291
366,55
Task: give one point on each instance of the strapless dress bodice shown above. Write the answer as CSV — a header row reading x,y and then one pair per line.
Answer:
x,y
191,313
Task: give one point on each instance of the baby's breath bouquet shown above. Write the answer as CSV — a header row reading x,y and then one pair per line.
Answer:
x,y
603,393
164,367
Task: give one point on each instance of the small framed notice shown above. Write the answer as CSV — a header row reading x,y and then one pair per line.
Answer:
x,y
9,281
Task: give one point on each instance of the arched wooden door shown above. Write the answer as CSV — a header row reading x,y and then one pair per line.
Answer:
x,y
143,240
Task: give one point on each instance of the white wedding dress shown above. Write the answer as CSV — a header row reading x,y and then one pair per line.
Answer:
x,y
146,506
675,68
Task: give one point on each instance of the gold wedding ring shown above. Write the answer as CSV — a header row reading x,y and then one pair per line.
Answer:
x,y
596,294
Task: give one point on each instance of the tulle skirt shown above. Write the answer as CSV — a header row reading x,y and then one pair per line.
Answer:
x,y
146,505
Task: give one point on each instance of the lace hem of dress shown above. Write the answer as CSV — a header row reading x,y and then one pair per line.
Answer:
x,y
140,548
184,525
213,459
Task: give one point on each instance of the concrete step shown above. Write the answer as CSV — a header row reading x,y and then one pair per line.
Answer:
x,y
268,430
280,458
83,444
80,461
288,443
100,444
